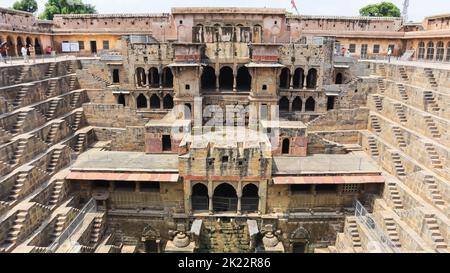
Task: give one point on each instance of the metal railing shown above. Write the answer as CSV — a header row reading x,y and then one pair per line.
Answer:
x,y
381,242
91,206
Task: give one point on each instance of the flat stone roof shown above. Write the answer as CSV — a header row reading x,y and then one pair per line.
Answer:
x,y
286,124
95,160
324,164
225,10
229,137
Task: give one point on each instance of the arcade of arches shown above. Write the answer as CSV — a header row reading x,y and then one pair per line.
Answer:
x,y
155,102
225,198
226,79
154,78
15,43
298,79
296,104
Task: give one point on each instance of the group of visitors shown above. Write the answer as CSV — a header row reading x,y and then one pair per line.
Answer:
x,y
26,52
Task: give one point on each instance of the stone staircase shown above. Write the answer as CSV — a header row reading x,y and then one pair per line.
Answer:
x,y
433,155
75,99
20,95
52,133
56,192
51,69
15,191
17,128
52,108
351,227
381,86
71,67
22,74
16,228
436,235
378,102
430,77
77,121
398,165
402,90
400,113
432,128
403,73
373,147
395,195
18,153
100,79
80,143
51,89
97,230
56,155
382,70
72,82
430,101
58,227
392,231
375,123
432,187
399,136
221,237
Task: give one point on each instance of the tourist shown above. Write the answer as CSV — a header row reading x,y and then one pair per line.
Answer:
x,y
389,54
32,51
24,52
3,53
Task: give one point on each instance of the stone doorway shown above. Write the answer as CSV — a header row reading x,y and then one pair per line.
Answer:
x,y
200,198
250,198
225,199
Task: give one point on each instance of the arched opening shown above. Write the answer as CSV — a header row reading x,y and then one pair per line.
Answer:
x,y
141,101
421,50
285,78
155,102
448,52
243,79
168,102
286,147
312,78
339,79
140,77
310,105
430,50
250,198
284,104
299,76
187,110
200,198
153,77
37,46
297,104
28,44
10,43
225,199
440,50
19,46
121,99
226,78
167,78
209,78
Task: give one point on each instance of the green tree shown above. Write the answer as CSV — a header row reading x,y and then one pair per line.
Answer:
x,y
66,7
26,5
383,9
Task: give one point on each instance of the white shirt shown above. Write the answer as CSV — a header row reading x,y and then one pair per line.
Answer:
x,y
24,51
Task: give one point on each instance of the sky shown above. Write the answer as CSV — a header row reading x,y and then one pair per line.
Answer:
x,y
418,9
